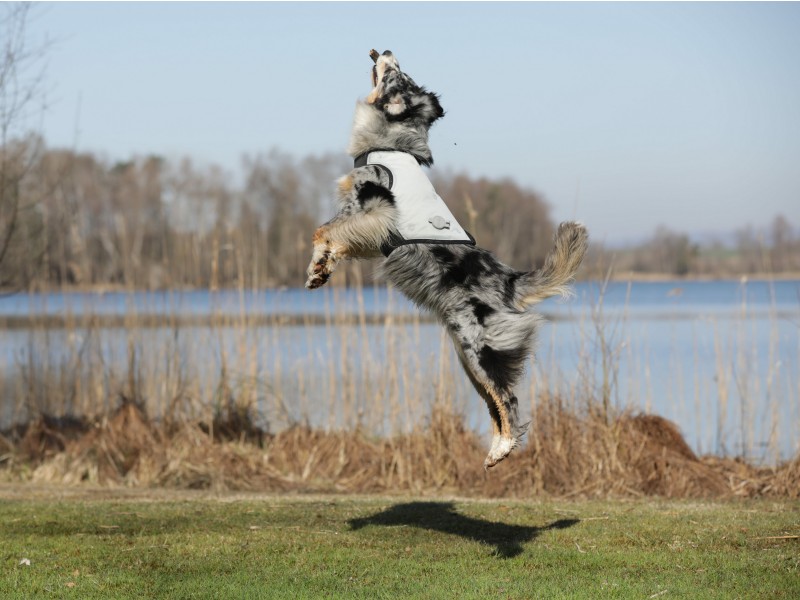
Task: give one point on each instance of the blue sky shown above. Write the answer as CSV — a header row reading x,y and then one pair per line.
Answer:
x,y
625,116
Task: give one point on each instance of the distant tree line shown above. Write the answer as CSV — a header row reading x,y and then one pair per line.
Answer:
x,y
73,219
152,223
771,251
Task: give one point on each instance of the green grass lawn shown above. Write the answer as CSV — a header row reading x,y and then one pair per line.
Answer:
x,y
107,544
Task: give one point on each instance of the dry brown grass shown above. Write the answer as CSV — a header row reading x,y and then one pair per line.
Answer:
x,y
568,455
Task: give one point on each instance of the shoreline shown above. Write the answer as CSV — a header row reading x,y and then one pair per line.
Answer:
x,y
175,320
634,277
628,277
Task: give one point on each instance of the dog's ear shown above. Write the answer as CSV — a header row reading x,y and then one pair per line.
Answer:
x,y
428,106
408,104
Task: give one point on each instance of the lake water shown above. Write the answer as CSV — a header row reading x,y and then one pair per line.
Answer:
x,y
721,359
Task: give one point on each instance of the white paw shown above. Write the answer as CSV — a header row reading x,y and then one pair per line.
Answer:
x,y
495,442
501,447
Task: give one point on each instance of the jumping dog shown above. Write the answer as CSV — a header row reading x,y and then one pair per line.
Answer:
x,y
387,207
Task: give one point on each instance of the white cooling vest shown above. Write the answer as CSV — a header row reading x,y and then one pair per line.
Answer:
x,y
423,216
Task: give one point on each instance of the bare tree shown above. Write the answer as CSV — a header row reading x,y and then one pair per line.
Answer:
x,y
20,91
512,221
749,247
781,253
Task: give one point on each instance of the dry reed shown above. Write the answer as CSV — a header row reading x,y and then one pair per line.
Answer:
x,y
569,456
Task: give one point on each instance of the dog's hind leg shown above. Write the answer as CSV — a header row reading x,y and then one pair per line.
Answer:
x,y
508,438
502,405
483,392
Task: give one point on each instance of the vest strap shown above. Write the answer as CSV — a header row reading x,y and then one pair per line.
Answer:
x,y
396,241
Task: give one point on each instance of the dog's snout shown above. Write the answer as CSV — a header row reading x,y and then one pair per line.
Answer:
x,y
373,54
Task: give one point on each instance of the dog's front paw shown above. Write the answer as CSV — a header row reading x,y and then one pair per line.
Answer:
x,y
316,281
319,271
318,275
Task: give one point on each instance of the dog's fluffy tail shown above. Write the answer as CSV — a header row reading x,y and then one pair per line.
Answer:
x,y
559,267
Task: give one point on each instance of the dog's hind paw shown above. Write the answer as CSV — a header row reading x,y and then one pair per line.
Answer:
x,y
501,447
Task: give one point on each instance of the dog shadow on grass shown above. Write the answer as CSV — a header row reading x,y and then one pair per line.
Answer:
x,y
442,516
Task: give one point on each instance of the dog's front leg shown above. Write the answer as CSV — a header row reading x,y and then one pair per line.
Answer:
x,y
364,222
325,256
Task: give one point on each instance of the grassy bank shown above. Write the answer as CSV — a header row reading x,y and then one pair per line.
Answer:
x,y
98,544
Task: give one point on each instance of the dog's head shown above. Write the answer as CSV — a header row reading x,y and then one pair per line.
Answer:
x,y
397,113
398,96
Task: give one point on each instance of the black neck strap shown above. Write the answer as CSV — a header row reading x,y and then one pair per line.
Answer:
x,y
361,159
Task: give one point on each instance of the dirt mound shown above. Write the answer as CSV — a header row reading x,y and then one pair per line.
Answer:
x,y
659,433
661,461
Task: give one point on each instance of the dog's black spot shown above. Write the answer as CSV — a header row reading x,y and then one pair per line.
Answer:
x,y
454,276
372,191
472,264
424,161
443,254
481,310
510,288
411,113
324,259
491,264
512,406
457,271
465,272
503,367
